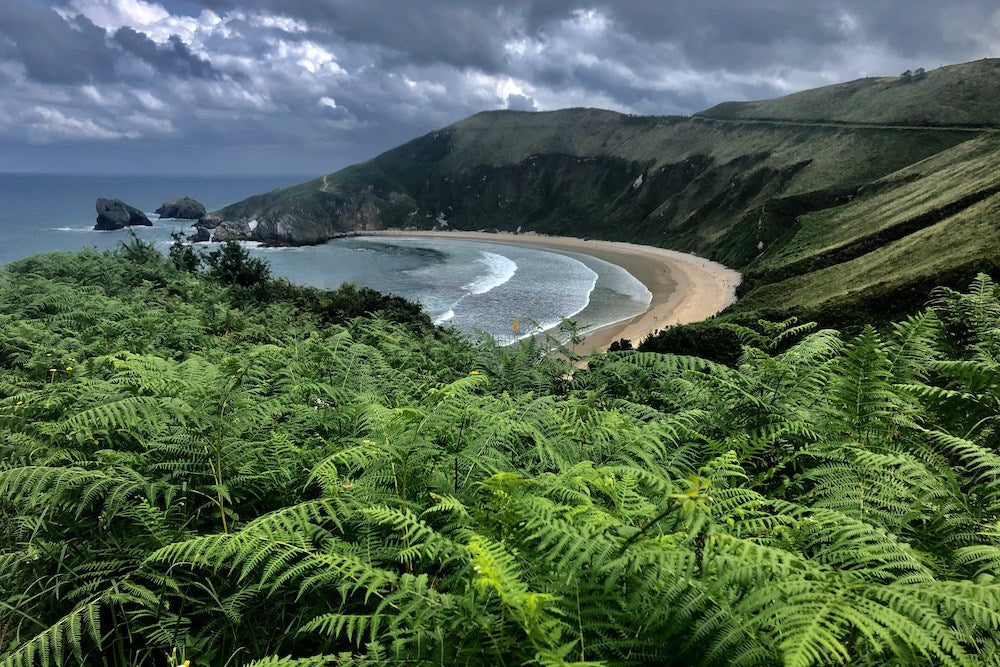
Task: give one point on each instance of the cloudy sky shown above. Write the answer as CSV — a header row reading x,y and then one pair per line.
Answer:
x,y
308,86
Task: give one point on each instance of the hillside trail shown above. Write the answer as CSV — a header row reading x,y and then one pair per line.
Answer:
x,y
326,184
846,124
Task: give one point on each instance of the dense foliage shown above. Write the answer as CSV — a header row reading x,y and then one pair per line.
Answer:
x,y
192,471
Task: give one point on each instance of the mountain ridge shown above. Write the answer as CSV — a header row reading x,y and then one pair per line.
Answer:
x,y
902,100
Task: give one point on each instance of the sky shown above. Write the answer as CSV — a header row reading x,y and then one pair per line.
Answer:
x,y
274,87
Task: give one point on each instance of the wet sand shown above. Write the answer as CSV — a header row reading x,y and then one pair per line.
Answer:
x,y
685,288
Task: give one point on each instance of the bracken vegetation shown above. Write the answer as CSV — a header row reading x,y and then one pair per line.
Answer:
x,y
255,475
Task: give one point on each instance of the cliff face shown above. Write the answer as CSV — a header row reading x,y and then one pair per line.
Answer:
x,y
690,184
307,220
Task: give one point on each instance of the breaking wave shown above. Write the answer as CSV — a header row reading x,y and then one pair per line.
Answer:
x,y
444,317
500,270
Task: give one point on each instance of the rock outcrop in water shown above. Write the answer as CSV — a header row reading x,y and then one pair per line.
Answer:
x,y
203,228
115,214
183,208
210,221
201,234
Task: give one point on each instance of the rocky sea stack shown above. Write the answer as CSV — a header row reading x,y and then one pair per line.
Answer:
x,y
115,214
183,208
203,228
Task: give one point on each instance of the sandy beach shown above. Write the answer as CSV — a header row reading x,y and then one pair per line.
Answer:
x,y
685,288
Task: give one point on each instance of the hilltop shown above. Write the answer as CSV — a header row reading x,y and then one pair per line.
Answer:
x,y
956,95
851,197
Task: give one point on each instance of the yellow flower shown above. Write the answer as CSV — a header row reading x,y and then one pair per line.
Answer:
x,y
20,402
473,372
52,370
69,368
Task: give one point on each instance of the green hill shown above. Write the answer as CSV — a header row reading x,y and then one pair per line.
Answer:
x,y
957,95
831,198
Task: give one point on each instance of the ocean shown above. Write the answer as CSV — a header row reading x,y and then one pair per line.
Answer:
x,y
476,287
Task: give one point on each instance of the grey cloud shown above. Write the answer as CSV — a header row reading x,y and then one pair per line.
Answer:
x,y
462,34
450,33
719,25
760,39
747,35
918,29
338,114
401,68
52,49
472,34
173,58
520,103
731,34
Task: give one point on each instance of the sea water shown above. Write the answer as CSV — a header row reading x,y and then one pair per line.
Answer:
x,y
474,286
45,212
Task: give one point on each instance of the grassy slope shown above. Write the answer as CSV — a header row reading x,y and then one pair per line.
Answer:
x,y
964,94
889,279
775,198
902,203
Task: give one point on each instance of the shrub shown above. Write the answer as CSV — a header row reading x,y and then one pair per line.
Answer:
x,y
232,264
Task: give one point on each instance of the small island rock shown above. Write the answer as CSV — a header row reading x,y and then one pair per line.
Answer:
x,y
183,208
201,234
115,214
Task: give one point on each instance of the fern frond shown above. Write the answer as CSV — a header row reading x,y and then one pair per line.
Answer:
x,y
49,646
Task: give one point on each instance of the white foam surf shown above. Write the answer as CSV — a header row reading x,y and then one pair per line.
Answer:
x,y
500,270
444,317
552,324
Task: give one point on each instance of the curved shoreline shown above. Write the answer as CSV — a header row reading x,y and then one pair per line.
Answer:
x,y
685,288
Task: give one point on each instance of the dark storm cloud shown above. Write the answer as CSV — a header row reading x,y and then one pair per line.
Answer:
x,y
737,34
721,31
172,58
422,33
57,50
322,83
463,34
53,50
743,35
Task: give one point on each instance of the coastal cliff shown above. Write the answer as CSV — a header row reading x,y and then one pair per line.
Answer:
x,y
749,185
